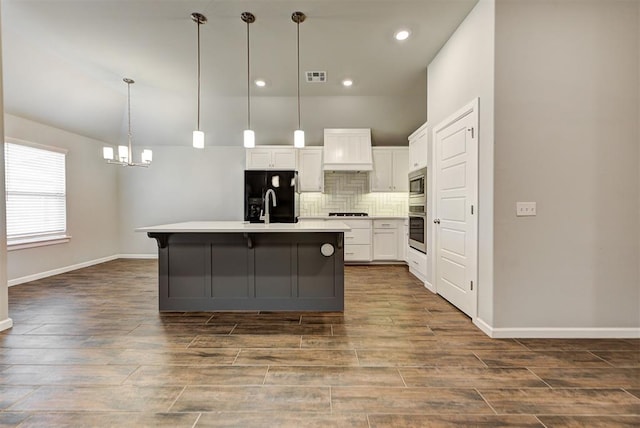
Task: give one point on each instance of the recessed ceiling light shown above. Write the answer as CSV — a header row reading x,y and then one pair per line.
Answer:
x,y
402,35
260,83
347,82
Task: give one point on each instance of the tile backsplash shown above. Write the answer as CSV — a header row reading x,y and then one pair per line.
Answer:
x,y
349,192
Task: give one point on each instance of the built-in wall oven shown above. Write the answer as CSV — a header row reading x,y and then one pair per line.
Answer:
x,y
418,210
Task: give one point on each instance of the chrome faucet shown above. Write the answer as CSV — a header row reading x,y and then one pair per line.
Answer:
x,y
266,216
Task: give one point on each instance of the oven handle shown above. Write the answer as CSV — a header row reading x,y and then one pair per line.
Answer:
x,y
418,215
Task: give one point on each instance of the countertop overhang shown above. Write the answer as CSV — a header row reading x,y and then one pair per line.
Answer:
x,y
243,227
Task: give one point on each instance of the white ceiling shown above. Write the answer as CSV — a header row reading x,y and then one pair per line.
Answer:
x,y
64,60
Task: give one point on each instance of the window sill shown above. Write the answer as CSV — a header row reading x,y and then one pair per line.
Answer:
x,y
23,244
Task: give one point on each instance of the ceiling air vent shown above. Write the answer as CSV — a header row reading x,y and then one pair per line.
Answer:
x,y
316,76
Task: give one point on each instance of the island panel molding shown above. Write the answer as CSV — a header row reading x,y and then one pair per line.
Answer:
x,y
230,266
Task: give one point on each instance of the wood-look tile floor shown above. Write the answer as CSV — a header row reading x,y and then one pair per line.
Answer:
x,y
89,348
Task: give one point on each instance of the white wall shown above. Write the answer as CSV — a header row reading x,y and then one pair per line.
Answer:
x,y
463,70
182,184
92,210
566,136
5,321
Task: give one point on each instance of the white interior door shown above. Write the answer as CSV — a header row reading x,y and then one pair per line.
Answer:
x,y
455,217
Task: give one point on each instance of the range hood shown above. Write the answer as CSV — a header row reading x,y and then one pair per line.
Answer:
x,y
347,149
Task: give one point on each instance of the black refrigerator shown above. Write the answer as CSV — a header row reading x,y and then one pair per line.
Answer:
x,y
285,187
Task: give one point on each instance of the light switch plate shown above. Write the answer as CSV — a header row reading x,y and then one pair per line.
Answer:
x,y
525,209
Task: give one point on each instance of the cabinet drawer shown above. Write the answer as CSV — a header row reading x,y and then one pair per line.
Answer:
x,y
358,236
357,224
385,224
418,261
360,253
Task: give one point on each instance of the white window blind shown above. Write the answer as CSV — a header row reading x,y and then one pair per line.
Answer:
x,y
35,193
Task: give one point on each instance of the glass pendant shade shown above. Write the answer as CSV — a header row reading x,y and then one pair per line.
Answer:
x,y
123,153
249,139
198,139
298,138
147,156
107,153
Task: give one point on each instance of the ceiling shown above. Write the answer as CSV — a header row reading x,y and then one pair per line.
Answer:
x,y
63,64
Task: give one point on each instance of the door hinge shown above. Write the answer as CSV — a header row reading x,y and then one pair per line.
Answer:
x,y
471,209
472,129
471,285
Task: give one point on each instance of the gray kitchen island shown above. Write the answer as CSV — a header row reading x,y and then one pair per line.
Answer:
x,y
239,266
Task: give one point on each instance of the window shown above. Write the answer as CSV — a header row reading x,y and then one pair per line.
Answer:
x,y
35,194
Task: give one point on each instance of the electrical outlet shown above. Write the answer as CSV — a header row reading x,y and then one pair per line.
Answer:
x,y
525,209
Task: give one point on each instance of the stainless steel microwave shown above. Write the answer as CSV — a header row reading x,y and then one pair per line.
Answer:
x,y
418,190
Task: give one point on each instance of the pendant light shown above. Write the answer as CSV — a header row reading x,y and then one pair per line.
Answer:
x,y
249,136
198,135
125,154
298,135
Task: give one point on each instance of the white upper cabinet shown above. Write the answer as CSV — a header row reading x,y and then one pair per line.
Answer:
x,y
418,146
347,149
390,169
271,157
310,173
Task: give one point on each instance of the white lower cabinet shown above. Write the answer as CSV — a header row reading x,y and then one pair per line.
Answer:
x,y
418,264
404,240
373,240
385,239
357,242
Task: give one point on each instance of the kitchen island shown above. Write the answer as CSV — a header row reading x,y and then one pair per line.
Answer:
x,y
239,266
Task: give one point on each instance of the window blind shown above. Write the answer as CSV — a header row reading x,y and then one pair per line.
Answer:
x,y
35,193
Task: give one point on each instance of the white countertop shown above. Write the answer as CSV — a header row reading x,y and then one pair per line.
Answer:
x,y
240,226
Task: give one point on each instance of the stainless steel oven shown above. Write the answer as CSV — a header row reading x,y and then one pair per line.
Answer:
x,y
418,210
418,231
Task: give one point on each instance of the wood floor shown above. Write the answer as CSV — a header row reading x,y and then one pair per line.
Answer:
x,y
89,348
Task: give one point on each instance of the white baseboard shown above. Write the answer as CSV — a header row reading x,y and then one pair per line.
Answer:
x,y
558,332
6,324
58,271
138,256
486,328
430,287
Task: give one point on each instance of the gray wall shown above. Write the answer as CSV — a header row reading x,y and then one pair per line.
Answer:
x,y
92,204
462,71
566,136
4,297
182,184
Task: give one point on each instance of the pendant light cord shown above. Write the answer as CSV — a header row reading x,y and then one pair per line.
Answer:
x,y
298,46
248,79
198,120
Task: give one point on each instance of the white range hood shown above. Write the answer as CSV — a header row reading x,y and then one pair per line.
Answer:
x,y
347,149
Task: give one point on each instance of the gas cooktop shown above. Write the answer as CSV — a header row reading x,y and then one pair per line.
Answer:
x,y
348,214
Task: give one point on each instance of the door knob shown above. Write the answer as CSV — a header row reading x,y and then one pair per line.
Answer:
x,y
436,221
